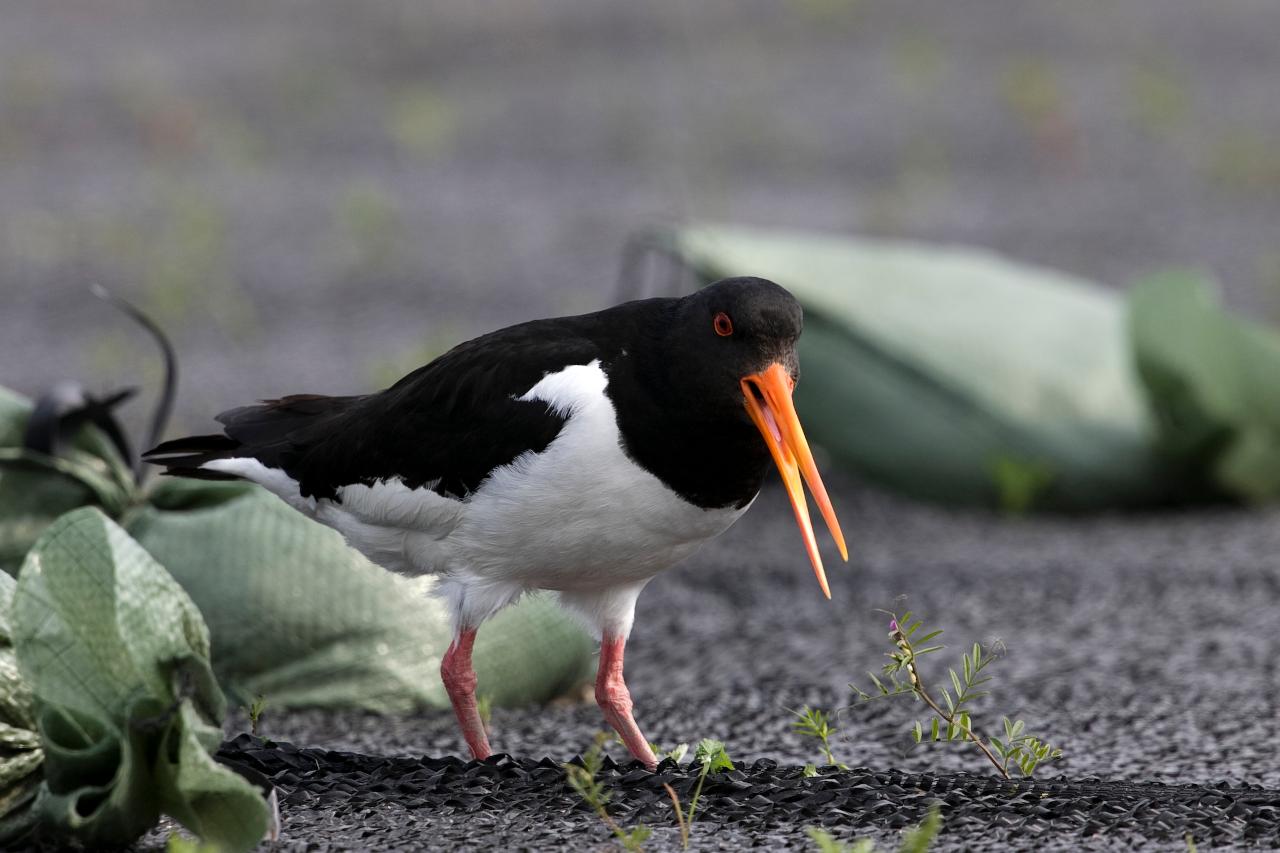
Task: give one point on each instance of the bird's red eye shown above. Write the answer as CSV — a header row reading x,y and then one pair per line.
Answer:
x,y
723,325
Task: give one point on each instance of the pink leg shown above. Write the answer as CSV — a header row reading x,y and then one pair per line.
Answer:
x,y
615,700
460,683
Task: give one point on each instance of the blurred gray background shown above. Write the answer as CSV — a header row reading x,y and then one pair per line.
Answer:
x,y
318,196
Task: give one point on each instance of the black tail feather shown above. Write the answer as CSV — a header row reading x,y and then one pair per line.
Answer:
x,y
268,432
193,444
197,473
183,457
273,420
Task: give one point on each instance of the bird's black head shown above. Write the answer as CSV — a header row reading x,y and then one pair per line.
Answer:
x,y
729,330
732,347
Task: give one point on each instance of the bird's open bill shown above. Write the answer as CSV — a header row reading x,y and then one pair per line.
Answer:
x,y
768,401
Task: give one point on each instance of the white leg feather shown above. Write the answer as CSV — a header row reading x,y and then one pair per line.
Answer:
x,y
606,613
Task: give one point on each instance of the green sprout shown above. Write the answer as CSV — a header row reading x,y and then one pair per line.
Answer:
x,y
582,778
181,844
712,757
914,840
676,753
1020,482
951,720
815,723
828,843
256,707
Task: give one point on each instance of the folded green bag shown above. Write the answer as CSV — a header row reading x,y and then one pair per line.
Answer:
x,y
116,660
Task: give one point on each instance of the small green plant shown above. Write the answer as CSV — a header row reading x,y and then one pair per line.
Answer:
x,y
676,753
484,707
583,780
181,844
256,707
816,723
1159,99
951,720
1026,752
422,121
914,840
828,843
711,757
1020,482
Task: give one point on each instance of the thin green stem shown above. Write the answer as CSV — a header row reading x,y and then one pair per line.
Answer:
x,y
697,792
684,827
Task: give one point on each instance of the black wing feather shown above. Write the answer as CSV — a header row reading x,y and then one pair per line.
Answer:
x,y
446,425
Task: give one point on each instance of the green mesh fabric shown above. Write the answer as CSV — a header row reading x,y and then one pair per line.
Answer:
x,y
116,658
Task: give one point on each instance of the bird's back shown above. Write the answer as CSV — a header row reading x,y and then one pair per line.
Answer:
x,y
445,426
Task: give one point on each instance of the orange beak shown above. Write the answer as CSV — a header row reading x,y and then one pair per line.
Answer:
x,y
768,401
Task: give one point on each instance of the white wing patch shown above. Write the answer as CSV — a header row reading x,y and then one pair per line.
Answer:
x,y
391,503
399,528
570,389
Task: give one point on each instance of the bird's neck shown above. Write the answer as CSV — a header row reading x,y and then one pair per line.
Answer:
x,y
710,458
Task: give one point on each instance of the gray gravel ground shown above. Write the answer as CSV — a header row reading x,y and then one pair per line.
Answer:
x,y
317,196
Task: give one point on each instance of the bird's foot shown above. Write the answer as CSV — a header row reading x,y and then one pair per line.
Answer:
x,y
635,742
478,744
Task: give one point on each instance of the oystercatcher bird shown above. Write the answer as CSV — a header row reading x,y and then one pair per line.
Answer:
x,y
582,455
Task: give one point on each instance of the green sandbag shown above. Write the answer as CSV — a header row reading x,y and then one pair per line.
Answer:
x,y
953,374
117,659
303,620
1213,381
20,752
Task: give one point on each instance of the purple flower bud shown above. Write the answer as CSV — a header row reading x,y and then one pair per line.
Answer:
x,y
893,626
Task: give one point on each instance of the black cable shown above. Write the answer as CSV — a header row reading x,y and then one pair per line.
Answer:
x,y
164,405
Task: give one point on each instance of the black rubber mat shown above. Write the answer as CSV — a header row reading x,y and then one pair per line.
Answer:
x,y
763,801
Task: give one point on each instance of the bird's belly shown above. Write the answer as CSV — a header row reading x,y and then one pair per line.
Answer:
x,y
603,532
603,529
